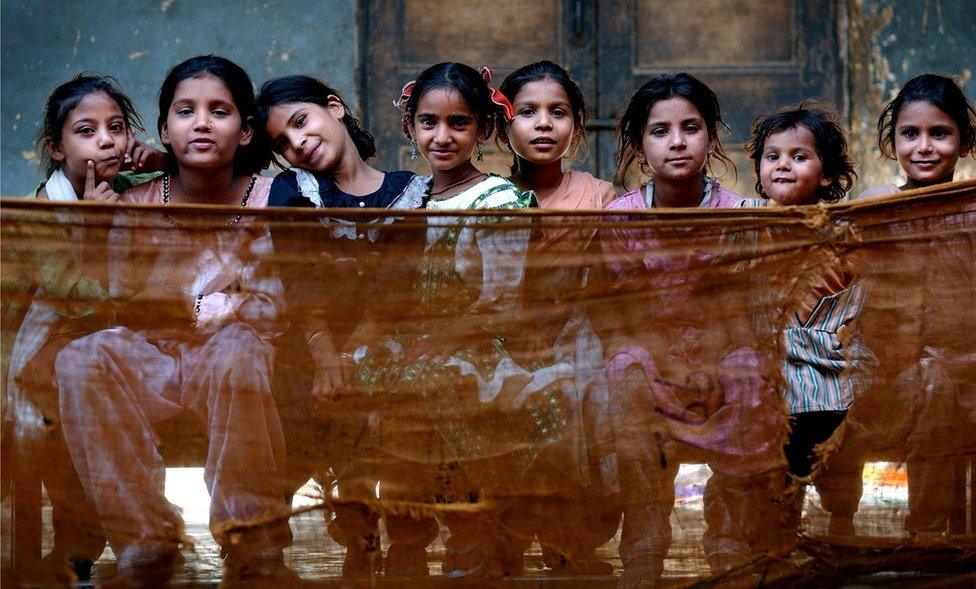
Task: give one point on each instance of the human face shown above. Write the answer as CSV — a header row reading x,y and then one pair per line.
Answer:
x,y
927,143
676,143
543,128
445,129
203,127
309,136
95,131
790,170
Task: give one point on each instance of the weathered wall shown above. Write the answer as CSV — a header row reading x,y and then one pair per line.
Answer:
x,y
46,42
892,41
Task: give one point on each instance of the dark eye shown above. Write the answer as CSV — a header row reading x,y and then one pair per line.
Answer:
x,y
117,127
659,132
691,128
184,111
86,130
220,112
300,121
941,132
527,112
772,156
909,133
559,113
800,157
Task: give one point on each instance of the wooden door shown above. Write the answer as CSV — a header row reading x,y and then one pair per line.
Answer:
x,y
756,56
402,37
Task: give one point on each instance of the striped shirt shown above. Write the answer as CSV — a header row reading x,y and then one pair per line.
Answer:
x,y
822,372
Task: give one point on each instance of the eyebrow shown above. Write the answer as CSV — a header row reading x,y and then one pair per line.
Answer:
x,y
684,122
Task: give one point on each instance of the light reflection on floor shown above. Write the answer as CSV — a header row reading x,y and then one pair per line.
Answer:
x,y
315,555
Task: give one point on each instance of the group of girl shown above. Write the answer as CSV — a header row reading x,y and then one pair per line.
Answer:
x,y
567,393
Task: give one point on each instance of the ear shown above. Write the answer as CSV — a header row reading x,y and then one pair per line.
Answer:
x,y
826,181
247,131
336,107
54,150
164,133
711,146
502,134
407,124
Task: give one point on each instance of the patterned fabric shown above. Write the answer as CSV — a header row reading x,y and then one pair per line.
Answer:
x,y
301,188
822,371
469,282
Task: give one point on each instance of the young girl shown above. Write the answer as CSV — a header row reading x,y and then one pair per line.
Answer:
x,y
928,127
665,351
670,128
801,158
204,346
309,125
453,363
580,512
85,138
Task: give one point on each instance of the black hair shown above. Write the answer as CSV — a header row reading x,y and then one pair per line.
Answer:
x,y
291,89
466,81
633,121
65,98
547,70
939,91
829,140
250,158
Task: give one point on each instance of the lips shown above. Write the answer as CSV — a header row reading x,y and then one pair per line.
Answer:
x,y
308,156
441,155
543,141
203,143
678,160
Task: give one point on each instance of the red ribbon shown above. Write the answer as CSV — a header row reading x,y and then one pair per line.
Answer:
x,y
497,97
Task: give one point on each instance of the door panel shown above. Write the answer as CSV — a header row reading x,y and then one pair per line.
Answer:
x,y
755,55
503,34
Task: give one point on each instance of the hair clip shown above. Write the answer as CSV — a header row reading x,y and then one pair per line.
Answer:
x,y
497,97
405,92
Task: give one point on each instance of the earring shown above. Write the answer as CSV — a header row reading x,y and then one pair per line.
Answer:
x,y
481,155
413,150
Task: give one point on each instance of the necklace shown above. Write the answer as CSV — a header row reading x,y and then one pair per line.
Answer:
x,y
464,180
247,195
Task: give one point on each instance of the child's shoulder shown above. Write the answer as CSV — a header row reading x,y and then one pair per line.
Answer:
x,y
723,198
629,200
876,191
146,193
600,191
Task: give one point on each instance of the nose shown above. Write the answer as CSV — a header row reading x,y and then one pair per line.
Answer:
x,y
677,140
783,163
924,143
442,134
543,121
105,139
202,122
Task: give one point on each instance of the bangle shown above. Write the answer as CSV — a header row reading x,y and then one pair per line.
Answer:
x,y
315,335
196,309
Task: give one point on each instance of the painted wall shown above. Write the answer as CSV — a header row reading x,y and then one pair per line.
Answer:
x,y
892,41
46,42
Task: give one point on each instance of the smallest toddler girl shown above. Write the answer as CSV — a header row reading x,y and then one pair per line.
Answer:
x,y
801,158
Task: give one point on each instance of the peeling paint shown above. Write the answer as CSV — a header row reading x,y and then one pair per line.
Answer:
x,y
136,55
164,6
30,156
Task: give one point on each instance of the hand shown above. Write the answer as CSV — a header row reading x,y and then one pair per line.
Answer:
x,y
143,158
102,192
329,383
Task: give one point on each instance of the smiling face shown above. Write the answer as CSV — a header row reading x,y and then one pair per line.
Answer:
x,y
544,128
927,143
309,136
676,143
790,170
94,130
445,129
203,127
